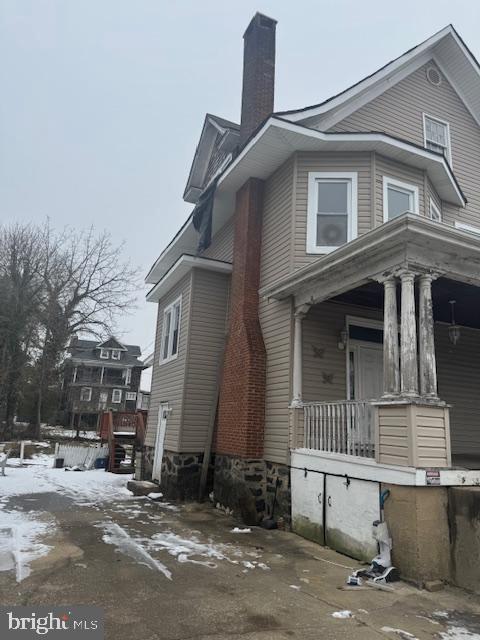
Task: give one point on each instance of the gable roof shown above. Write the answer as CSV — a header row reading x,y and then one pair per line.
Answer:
x,y
111,343
213,128
446,48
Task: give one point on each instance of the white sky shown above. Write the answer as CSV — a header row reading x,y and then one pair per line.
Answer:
x,y
102,101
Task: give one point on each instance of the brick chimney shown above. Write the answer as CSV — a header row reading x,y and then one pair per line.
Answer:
x,y
258,74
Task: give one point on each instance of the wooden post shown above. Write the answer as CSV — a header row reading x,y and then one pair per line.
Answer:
x,y
428,368
297,377
391,371
409,366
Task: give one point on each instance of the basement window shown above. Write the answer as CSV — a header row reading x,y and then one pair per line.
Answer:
x,y
170,331
398,197
331,210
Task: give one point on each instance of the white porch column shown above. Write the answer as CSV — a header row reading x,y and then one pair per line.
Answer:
x,y
428,368
102,374
297,382
409,366
391,369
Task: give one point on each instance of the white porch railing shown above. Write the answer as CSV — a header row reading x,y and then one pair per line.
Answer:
x,y
340,427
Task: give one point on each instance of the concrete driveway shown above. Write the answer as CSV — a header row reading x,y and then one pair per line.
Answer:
x,y
169,572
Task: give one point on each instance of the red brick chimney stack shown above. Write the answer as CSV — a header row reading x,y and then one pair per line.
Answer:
x,y
258,74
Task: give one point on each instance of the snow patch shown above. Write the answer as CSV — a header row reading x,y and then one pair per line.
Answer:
x,y
19,542
405,635
116,535
458,633
238,530
342,614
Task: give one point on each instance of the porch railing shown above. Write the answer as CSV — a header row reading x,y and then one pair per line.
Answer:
x,y
340,427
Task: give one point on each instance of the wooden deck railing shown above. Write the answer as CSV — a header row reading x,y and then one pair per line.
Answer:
x,y
340,427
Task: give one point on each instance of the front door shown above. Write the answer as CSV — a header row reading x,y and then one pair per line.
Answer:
x,y
369,372
159,442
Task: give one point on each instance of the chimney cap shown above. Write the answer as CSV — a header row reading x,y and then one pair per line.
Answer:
x,y
262,20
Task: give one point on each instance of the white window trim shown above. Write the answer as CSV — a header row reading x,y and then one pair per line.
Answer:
x,y
447,125
352,228
130,395
89,389
387,181
116,393
170,356
467,227
433,205
104,354
115,354
128,376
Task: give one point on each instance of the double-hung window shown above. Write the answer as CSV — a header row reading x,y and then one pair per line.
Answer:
x,y
170,331
332,210
86,394
116,396
398,197
437,136
434,212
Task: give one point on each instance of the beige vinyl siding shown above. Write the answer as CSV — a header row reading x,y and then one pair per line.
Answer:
x,y
275,316
393,434
222,244
207,340
168,379
308,162
398,171
398,112
458,371
324,364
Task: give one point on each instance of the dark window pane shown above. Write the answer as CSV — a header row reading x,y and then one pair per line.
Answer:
x,y
367,334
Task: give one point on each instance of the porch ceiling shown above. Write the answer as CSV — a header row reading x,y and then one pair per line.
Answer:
x,y
409,240
467,309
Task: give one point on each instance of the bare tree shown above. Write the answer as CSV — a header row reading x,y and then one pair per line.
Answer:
x,y
53,286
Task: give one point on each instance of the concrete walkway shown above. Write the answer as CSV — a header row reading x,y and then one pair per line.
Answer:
x,y
178,573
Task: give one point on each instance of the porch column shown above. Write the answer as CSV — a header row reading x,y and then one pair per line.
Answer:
x,y
428,369
391,370
409,366
297,383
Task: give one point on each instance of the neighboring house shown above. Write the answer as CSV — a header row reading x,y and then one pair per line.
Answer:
x,y
100,377
318,294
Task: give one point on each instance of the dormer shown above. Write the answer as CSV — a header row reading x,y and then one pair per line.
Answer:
x,y
111,349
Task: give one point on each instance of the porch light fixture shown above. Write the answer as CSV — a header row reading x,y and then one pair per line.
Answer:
x,y
343,339
453,329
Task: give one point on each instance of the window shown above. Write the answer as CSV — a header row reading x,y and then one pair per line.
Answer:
x,y
86,394
437,136
115,354
332,210
467,227
398,197
116,396
130,395
128,376
104,354
434,212
170,331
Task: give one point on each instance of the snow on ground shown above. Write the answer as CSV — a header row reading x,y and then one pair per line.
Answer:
x,y
83,486
68,433
21,533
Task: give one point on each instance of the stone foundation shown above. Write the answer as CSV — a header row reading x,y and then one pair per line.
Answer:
x,y
181,475
248,488
147,463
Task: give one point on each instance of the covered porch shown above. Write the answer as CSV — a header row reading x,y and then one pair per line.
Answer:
x,y
382,375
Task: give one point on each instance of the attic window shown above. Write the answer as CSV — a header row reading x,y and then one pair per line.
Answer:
x,y
437,136
104,354
115,354
434,76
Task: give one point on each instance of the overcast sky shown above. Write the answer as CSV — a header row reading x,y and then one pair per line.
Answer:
x,y
102,101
